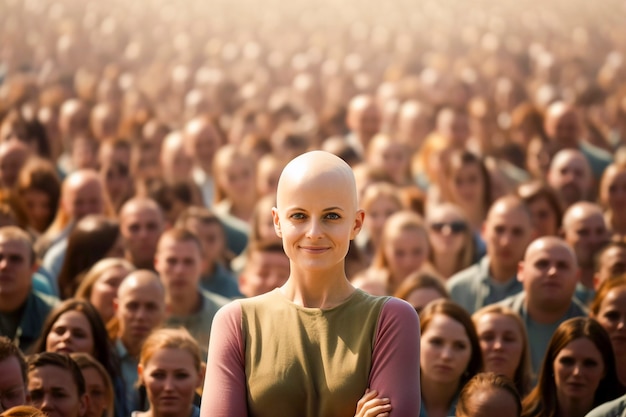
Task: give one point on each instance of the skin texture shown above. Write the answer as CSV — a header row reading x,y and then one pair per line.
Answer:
x,y
141,224
12,386
82,194
585,230
612,316
15,272
96,391
70,333
570,176
53,392
501,343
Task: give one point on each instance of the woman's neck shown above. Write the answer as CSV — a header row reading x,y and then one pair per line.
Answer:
x,y
437,396
443,265
325,289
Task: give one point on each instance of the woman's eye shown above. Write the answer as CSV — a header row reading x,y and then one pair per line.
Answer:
x,y
459,346
333,216
567,361
298,216
182,375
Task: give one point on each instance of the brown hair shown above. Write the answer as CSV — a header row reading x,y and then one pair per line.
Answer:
x,y
484,382
171,339
603,291
40,175
86,361
93,274
532,191
418,280
59,360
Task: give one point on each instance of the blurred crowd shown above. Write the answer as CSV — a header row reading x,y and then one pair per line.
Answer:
x,y
141,145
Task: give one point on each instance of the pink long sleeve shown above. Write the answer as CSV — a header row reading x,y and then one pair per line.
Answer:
x,y
395,362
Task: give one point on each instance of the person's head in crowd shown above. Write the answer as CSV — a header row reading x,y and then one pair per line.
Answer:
x,y
544,205
452,244
13,156
176,163
139,309
403,248
268,171
538,157
578,371
562,125
12,126
507,231
73,119
338,145
104,121
146,153
453,126
98,386
179,263
467,183
13,376
75,326
141,224
234,173
173,198
413,124
504,344
82,193
114,159
549,273
56,385
262,224
267,267
489,394
450,351
17,264
363,118
391,157
612,196
584,229
100,283
526,124
609,309
23,411
202,138
210,231
171,369
38,189
420,288
94,237
610,262
570,175
379,200
83,153
288,141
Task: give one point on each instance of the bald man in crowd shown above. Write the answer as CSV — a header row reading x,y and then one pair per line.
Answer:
x,y
584,229
139,309
570,175
363,120
141,223
507,231
549,274
202,139
13,155
176,164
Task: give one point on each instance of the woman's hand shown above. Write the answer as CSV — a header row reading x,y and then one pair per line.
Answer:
x,y
370,406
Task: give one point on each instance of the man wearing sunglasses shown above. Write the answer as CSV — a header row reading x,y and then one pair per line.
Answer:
x,y
506,231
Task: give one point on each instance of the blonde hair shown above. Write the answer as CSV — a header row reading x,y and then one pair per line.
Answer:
x,y
171,339
94,273
227,155
400,221
23,411
86,361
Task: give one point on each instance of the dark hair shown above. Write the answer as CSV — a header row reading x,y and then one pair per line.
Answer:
x,y
419,280
90,240
179,234
483,382
101,344
542,400
40,175
62,361
603,291
614,243
459,314
9,349
532,191
461,158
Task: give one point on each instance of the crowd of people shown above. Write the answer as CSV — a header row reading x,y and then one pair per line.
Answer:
x,y
160,168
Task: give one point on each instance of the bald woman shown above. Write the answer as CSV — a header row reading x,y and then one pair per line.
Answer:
x,y
314,346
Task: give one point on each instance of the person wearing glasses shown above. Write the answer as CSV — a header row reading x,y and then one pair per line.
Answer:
x,y
13,376
507,231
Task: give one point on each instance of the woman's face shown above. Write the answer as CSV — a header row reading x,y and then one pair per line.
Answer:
x,y
468,185
376,214
38,210
578,370
53,392
96,391
612,316
543,217
171,378
613,191
501,343
70,333
104,291
237,179
447,232
446,350
393,159
405,252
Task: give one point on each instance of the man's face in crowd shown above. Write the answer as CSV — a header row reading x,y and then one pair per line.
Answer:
x,y
15,268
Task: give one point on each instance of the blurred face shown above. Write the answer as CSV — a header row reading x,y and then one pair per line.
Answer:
x,y
543,217
171,378
179,265
140,309
612,316
264,272
38,209
212,238
570,177
83,200
447,231
96,391
468,185
117,181
586,234
507,233
501,343
612,263
549,275
420,297
175,163
446,350
70,333
378,212
53,391
15,269
405,252
578,370
141,228
392,158
564,129
237,179
492,402
613,191
12,389
104,291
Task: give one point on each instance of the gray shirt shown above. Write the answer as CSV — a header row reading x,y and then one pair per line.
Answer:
x,y
615,408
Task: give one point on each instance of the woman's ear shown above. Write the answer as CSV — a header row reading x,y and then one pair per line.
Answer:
x,y
358,223
276,221
201,374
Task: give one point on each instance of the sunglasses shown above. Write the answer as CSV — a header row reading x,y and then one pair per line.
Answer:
x,y
455,227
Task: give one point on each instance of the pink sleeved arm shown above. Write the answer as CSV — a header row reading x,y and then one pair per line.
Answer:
x,y
224,393
395,361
